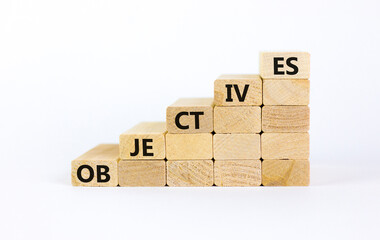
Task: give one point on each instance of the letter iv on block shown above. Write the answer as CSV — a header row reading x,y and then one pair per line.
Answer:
x,y
254,132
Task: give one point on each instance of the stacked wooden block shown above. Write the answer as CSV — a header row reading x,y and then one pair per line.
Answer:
x,y
253,132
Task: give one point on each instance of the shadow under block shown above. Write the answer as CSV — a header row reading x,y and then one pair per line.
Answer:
x,y
146,140
188,146
285,65
285,119
97,167
190,115
245,119
193,173
142,173
286,172
238,90
285,146
236,146
286,92
237,173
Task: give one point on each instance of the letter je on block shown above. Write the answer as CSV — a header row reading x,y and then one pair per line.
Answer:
x,y
97,167
146,140
190,115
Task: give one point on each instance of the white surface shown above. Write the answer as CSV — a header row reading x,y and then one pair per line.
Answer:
x,y
77,73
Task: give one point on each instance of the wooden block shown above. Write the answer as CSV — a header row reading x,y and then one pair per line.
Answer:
x,y
189,146
236,146
237,173
146,140
190,115
286,119
97,167
193,173
238,90
142,173
286,92
237,119
285,146
286,172
285,65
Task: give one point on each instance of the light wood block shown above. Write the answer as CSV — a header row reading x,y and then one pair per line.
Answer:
x,y
236,146
190,115
286,92
237,119
285,65
97,167
189,146
286,119
238,90
142,173
285,146
237,173
286,172
193,173
146,140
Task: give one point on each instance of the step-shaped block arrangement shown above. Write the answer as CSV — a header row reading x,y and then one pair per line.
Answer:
x,y
253,132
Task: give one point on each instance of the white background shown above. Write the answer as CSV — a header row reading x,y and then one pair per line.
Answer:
x,y
77,73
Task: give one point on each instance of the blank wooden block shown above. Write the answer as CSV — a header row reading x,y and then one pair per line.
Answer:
x,y
237,173
190,115
97,167
285,119
189,146
193,173
286,92
149,137
285,65
237,119
285,146
286,172
142,173
236,146
238,90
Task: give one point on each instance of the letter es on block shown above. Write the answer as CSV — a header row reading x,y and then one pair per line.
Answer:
x,y
97,167
285,65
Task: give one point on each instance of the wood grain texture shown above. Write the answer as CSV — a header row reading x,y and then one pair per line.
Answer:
x,y
142,173
195,114
193,173
286,92
267,65
237,173
245,119
286,172
236,146
285,146
154,131
104,156
285,119
189,146
252,97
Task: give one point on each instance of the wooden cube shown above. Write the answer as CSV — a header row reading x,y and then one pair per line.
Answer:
x,y
142,173
236,146
188,146
97,167
285,65
285,119
237,173
286,172
193,173
146,140
245,119
285,146
238,90
190,115
286,92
